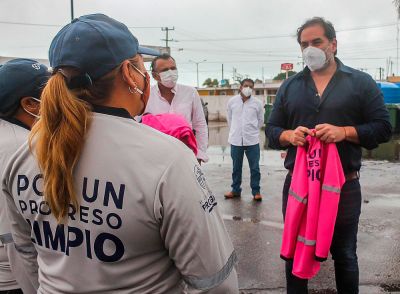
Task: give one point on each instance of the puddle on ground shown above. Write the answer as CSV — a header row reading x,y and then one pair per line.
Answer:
x,y
271,224
390,287
323,291
393,202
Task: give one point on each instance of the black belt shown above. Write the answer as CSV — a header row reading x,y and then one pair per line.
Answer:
x,y
350,176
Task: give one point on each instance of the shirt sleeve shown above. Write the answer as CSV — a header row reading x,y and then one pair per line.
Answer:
x,y
193,230
21,234
199,124
377,128
277,122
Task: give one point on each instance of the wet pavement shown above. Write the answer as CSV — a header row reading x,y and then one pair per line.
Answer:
x,y
256,228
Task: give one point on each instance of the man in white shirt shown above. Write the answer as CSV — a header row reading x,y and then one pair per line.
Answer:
x,y
169,97
245,118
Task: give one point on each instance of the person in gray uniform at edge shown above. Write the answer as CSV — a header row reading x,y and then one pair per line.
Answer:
x,y
21,83
108,204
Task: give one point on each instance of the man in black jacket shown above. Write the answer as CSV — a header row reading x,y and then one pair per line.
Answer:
x,y
344,106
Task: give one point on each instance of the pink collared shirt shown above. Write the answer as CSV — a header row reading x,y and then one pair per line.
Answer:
x,y
186,102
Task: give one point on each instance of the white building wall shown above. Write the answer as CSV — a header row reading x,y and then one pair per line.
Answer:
x,y
217,106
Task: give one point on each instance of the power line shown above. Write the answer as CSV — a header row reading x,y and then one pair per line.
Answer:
x,y
58,25
367,27
30,24
278,60
361,47
283,35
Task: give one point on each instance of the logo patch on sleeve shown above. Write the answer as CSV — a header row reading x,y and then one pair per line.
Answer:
x,y
209,201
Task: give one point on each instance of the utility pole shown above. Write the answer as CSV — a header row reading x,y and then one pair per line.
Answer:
x,y
387,65
263,83
166,30
397,49
262,74
391,68
197,69
301,62
72,10
381,70
222,72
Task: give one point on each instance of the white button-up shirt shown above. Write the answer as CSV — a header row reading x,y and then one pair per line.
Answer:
x,y
187,103
245,120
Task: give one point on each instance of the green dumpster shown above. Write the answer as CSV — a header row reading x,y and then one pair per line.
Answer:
x,y
267,112
394,116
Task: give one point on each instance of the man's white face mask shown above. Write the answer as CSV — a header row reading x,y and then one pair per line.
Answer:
x,y
315,58
34,115
247,91
169,78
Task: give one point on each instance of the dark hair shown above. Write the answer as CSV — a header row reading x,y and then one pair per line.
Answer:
x,y
59,134
329,30
36,93
246,80
10,113
164,56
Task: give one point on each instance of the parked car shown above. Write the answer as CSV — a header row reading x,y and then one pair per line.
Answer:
x,y
205,109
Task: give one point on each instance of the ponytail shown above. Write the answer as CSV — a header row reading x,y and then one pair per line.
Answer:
x,y
59,134
59,138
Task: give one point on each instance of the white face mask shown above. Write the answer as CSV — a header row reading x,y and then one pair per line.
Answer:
x,y
315,58
34,115
247,91
169,78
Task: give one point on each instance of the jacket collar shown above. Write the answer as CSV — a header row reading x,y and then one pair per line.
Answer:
x,y
17,122
120,112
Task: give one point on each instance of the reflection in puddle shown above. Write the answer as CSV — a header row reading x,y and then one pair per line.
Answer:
x,y
387,151
390,288
238,218
218,136
323,291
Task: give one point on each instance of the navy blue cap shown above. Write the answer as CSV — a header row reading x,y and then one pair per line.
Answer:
x,y
21,78
95,44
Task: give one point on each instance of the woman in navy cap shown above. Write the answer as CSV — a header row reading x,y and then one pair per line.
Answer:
x,y
21,82
110,205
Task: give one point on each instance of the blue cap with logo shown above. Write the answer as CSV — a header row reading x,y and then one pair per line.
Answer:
x,y
21,78
95,44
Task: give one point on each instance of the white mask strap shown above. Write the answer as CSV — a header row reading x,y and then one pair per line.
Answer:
x,y
27,111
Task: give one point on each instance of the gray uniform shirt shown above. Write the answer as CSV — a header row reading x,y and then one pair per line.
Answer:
x,y
147,220
12,273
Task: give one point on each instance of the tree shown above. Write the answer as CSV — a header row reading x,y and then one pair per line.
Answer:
x,y
282,75
208,83
211,83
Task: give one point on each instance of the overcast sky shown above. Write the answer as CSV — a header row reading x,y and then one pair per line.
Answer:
x,y
253,36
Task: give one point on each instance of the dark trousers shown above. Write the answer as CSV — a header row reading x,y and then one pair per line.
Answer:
x,y
344,242
15,291
253,156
